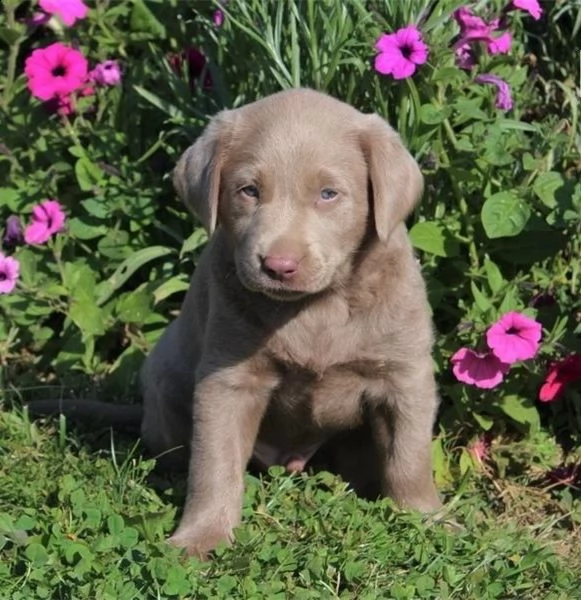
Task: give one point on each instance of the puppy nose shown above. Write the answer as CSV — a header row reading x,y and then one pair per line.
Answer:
x,y
279,267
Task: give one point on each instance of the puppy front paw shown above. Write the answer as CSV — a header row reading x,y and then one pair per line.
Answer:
x,y
199,539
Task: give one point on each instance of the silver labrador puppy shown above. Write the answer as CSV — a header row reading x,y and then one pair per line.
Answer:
x,y
306,320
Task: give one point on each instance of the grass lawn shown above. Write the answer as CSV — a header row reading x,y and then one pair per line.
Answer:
x,y
82,516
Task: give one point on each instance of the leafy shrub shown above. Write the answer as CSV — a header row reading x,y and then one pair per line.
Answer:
x,y
494,126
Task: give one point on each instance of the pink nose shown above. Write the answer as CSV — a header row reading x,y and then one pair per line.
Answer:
x,y
279,267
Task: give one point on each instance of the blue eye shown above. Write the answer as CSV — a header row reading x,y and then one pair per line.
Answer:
x,y
328,194
250,190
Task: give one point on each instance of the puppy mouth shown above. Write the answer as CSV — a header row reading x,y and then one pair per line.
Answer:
x,y
272,289
283,294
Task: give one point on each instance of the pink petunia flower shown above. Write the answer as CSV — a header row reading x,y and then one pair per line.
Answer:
x,y
473,29
514,337
503,94
196,62
483,370
9,273
470,25
218,17
561,374
531,6
13,231
66,105
400,53
48,218
106,73
68,10
465,56
37,19
480,449
56,70
500,44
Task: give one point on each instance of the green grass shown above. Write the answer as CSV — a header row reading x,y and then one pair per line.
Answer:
x,y
82,516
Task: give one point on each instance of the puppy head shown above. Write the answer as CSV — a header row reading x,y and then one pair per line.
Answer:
x,y
295,180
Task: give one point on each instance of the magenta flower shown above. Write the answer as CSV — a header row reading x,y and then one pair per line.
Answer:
x,y
9,272
68,10
196,63
471,26
480,449
531,6
500,44
218,17
13,231
560,375
48,218
503,94
66,105
106,73
483,370
474,29
400,53
56,70
514,337
37,19
465,56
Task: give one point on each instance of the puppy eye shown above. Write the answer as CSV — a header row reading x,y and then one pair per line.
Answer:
x,y
328,194
250,190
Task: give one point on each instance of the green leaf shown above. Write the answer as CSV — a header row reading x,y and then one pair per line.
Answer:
x,y
115,244
481,301
518,125
469,109
433,238
466,462
448,75
163,105
89,175
521,410
545,186
198,238
79,279
129,537
37,554
6,523
127,268
509,302
172,286
86,228
116,524
504,215
493,274
144,21
9,198
433,115
29,261
134,307
12,34
90,319
96,207
484,421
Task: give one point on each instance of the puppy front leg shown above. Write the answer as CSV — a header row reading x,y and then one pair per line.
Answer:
x,y
403,431
227,414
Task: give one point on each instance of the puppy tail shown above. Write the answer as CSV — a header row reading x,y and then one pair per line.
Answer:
x,y
102,414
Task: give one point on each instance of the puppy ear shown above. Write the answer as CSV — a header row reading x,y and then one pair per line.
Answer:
x,y
196,176
396,180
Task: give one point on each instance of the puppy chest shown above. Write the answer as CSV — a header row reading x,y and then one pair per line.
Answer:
x,y
324,399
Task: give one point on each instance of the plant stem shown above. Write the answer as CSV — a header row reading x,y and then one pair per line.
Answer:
x,y
12,55
462,204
